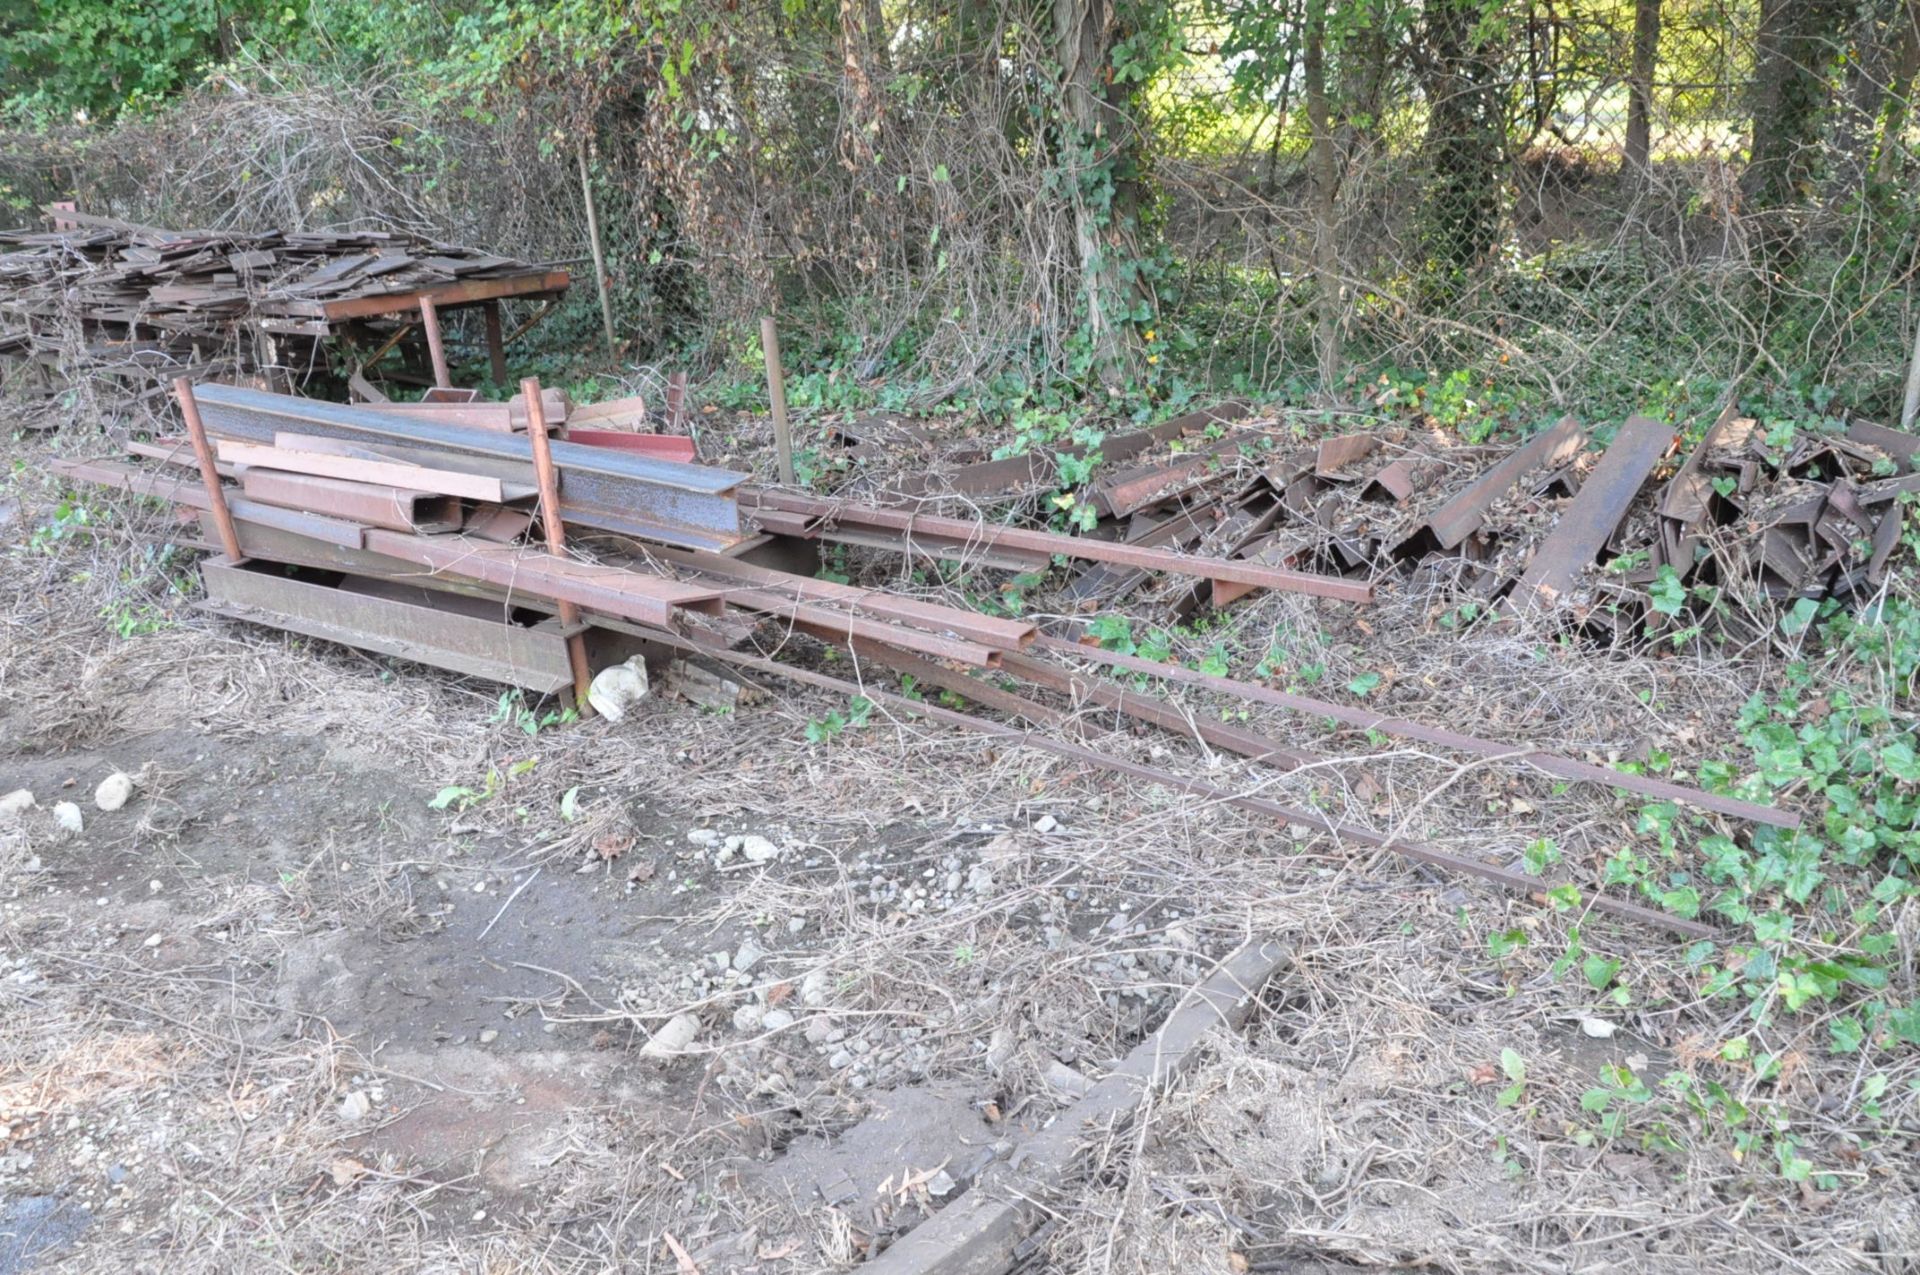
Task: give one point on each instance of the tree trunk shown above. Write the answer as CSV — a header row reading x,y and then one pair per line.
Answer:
x,y
1096,148
1460,214
1906,65
1322,168
1798,43
1870,61
1637,159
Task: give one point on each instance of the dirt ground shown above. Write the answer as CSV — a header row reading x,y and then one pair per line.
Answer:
x,y
278,1013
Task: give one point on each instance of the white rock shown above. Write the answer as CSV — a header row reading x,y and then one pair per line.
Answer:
x,y
356,1106
795,924
616,690
673,1037
776,1020
155,939
759,849
748,1017
1045,823
747,956
1066,1081
1598,1028
113,791
1000,1047
703,836
980,878
816,987
67,816
489,1035
16,803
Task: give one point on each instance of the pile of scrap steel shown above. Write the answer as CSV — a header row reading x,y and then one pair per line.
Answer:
x,y
107,298
1549,523
510,548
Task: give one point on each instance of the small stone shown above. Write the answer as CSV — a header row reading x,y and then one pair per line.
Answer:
x,y
1045,823
16,803
796,924
748,1017
489,1034
480,886
941,1185
759,849
979,878
703,837
155,940
113,791
1066,1081
1598,1028
747,956
66,816
776,1020
1000,1047
816,987
356,1106
841,1058
818,1028
673,1037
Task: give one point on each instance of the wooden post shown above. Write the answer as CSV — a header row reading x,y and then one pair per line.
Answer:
x,y
203,452
593,241
496,344
436,348
549,484
777,396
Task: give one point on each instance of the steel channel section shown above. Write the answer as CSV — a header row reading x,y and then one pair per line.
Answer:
x,y
689,505
188,491
395,508
1588,522
513,654
1424,853
1461,516
1564,767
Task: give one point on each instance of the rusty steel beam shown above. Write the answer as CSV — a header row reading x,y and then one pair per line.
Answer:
x,y
175,487
1461,516
555,528
446,296
1233,739
1589,520
1362,719
209,476
968,533
688,505
385,473
518,655
368,503
1416,850
1006,634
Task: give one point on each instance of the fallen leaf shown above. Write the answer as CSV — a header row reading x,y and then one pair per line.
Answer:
x,y
1484,1074
767,1253
642,871
1238,1264
346,1171
777,993
680,1254
611,845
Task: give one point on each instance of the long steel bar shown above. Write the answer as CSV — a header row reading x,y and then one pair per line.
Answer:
x,y
690,505
556,531
1156,713
176,487
1417,850
1007,634
987,535
1564,767
777,399
209,476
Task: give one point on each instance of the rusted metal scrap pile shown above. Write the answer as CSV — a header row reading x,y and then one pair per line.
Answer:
x,y
110,298
1548,523
494,543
